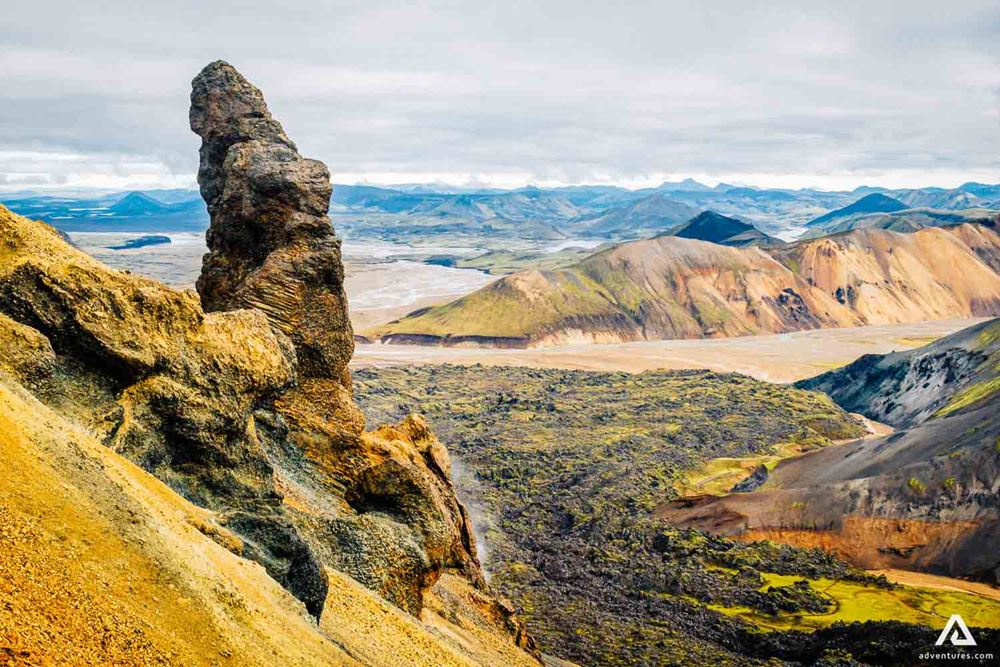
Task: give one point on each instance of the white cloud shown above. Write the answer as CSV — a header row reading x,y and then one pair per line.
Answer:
x,y
791,93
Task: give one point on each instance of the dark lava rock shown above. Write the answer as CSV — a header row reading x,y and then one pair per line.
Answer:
x,y
141,242
751,482
271,243
378,505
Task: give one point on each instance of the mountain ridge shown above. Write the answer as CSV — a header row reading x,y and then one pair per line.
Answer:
x,y
669,287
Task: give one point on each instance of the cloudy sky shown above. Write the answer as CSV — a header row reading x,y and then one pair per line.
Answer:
x,y
801,93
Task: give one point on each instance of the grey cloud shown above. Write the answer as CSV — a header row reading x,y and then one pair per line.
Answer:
x,y
550,90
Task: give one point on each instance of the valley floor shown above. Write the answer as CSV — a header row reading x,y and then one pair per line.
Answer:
x,y
925,580
775,358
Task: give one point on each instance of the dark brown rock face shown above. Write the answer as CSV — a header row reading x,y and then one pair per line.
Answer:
x,y
271,243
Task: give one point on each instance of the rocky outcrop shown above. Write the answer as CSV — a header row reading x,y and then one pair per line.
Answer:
x,y
209,404
271,244
906,388
103,564
161,382
377,505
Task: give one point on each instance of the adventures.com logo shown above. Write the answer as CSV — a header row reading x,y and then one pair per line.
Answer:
x,y
957,633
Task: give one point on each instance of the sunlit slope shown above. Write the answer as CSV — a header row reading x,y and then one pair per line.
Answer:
x,y
670,287
103,564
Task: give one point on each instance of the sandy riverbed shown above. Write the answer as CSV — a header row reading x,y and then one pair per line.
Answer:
x,y
777,358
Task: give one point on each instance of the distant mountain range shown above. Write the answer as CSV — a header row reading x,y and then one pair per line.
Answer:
x,y
142,211
410,212
651,215
671,287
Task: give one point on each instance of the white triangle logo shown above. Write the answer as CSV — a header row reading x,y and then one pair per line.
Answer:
x,y
960,635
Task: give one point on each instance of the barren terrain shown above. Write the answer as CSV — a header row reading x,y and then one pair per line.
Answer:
x,y
776,358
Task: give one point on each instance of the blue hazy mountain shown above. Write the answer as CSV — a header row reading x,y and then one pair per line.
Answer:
x,y
138,203
872,203
411,211
687,185
138,211
651,215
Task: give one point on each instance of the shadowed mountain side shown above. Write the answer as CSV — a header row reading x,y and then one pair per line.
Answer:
x,y
907,388
710,226
669,287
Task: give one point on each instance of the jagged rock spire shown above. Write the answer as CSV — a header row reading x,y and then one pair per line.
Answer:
x,y
271,244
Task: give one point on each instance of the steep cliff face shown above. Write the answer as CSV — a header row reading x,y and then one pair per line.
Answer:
x,y
246,410
670,287
271,244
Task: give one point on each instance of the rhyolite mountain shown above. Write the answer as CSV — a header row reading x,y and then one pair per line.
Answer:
x,y
924,498
717,228
194,475
670,287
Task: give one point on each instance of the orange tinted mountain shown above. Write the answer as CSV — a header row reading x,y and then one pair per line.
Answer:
x,y
669,287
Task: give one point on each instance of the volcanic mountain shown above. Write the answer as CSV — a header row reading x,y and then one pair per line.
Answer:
x,y
670,287
717,228
922,498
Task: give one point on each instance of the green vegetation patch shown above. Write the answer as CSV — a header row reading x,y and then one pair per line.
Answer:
x,y
970,396
851,601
